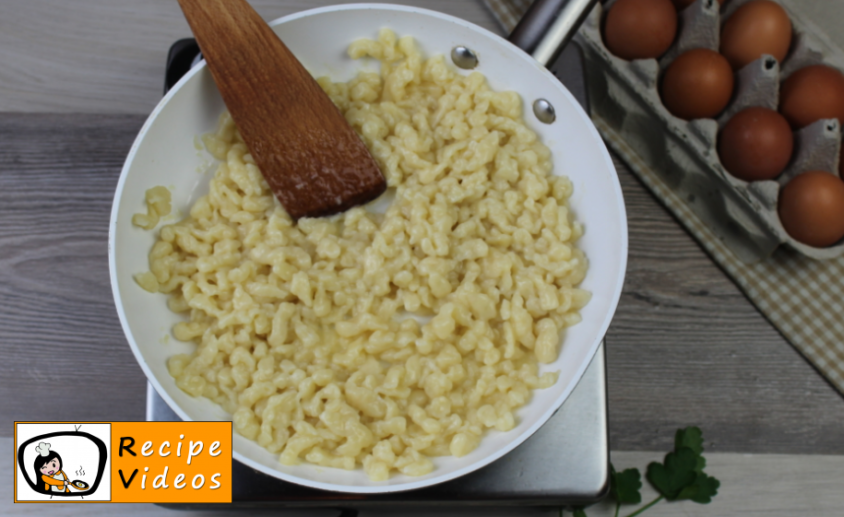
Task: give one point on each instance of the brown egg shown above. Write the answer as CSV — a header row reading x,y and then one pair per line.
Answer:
x,y
755,144
756,28
698,84
640,29
682,4
812,93
811,208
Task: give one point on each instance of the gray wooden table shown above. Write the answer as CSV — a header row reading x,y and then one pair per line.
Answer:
x,y
77,80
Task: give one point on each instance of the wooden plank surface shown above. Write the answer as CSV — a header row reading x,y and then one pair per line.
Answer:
x,y
685,348
64,354
108,56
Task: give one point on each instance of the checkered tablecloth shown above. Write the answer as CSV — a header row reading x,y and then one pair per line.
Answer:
x,y
801,297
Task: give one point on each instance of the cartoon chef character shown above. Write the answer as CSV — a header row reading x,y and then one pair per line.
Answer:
x,y
48,468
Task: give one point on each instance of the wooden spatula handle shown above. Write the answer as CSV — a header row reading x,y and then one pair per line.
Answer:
x,y
312,159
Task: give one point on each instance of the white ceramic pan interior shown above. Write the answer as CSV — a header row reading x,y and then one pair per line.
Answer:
x,y
165,153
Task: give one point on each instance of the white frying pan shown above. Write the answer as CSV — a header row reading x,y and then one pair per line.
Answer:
x,y
164,153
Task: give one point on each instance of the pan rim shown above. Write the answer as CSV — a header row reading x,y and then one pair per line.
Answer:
x,y
437,479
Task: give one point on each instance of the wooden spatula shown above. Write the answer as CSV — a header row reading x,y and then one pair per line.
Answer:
x,y
312,159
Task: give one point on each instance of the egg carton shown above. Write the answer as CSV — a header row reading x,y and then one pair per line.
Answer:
x,y
624,95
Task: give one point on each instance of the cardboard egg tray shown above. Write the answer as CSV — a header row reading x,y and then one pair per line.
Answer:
x,y
625,98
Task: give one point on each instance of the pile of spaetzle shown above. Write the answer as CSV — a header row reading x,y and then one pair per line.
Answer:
x,y
371,339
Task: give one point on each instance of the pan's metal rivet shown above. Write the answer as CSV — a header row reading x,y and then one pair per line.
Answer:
x,y
544,111
464,57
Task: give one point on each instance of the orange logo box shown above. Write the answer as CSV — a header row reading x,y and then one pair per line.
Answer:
x,y
171,462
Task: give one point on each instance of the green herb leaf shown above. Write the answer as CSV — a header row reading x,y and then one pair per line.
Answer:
x,y
678,471
690,437
578,511
625,486
702,489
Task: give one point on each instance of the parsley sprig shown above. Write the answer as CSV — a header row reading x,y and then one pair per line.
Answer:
x,y
680,476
